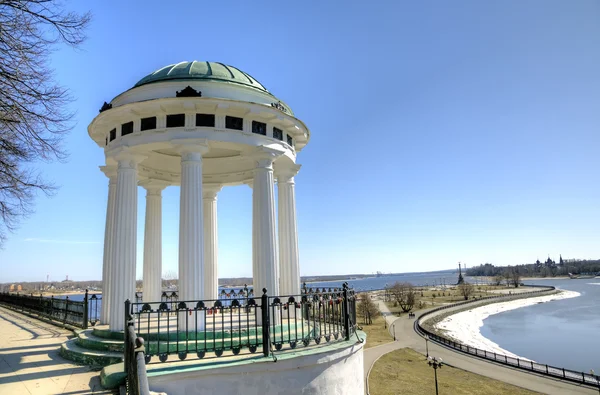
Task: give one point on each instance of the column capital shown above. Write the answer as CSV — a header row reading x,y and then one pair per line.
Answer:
x,y
109,171
209,191
126,157
285,173
153,186
249,183
264,156
191,149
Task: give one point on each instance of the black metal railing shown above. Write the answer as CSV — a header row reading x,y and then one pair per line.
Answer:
x,y
134,362
525,364
245,324
81,314
226,294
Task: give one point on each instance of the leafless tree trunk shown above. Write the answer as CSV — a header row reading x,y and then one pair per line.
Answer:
x,y
405,295
498,279
507,277
367,309
515,278
466,290
33,113
169,278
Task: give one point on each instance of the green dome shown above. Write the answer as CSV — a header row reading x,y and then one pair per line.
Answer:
x,y
201,71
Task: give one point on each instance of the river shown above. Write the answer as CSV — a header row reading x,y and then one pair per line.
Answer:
x,y
562,333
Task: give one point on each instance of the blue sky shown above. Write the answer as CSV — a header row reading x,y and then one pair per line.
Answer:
x,y
441,131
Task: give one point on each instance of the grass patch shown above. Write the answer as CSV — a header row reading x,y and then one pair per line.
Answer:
x,y
427,298
376,332
405,371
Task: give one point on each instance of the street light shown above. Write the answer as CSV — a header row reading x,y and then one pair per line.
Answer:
x,y
435,363
426,346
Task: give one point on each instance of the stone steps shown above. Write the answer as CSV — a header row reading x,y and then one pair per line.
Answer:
x,y
88,339
71,350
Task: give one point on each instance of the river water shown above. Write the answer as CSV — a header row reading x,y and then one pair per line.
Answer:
x,y
563,333
369,283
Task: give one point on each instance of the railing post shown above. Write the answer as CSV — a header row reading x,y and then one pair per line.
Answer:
x,y
52,307
85,310
564,374
345,309
66,310
126,335
264,306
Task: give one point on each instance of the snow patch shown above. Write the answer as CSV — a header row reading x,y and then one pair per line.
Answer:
x,y
465,326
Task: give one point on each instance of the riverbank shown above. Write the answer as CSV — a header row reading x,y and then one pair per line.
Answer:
x,y
465,326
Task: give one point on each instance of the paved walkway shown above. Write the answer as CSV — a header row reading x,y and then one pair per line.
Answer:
x,y
407,337
30,362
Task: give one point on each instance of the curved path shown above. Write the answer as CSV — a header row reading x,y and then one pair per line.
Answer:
x,y
403,329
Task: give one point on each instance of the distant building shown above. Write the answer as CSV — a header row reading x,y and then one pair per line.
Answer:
x,y
12,288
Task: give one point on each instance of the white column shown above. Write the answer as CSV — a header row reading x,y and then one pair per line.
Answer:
x,y
124,239
289,280
255,268
191,231
263,196
152,280
211,273
256,274
111,173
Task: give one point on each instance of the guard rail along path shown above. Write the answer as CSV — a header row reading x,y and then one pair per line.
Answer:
x,y
80,314
527,365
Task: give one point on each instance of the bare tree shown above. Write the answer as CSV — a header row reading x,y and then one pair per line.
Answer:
x,y
367,309
515,278
497,280
507,276
33,112
405,295
466,289
169,279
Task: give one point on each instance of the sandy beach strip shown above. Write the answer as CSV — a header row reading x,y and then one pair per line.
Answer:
x,y
465,326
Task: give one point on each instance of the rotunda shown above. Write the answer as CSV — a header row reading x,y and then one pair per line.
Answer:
x,y
201,126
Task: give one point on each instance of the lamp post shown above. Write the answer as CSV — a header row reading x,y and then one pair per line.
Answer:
x,y
394,330
426,346
435,363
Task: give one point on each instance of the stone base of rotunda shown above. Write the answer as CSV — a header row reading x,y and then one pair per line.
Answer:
x,y
329,369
